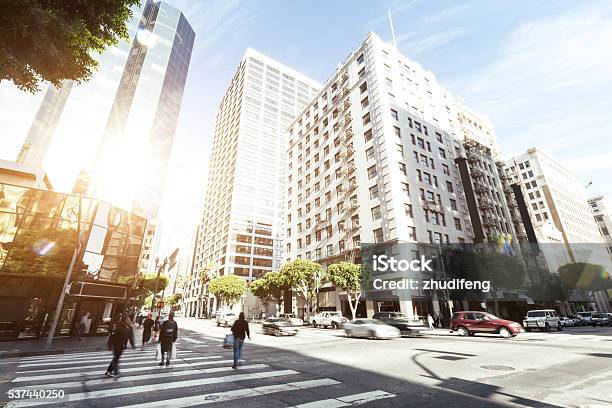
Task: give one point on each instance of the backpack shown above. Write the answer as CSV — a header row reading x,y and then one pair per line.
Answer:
x,y
170,329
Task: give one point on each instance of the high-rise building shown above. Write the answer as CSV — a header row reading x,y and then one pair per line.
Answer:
x,y
135,150
603,220
243,216
372,160
556,200
36,144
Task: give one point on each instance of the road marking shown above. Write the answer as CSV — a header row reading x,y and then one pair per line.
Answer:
x,y
194,341
94,360
114,392
88,374
100,354
120,379
133,363
235,394
347,400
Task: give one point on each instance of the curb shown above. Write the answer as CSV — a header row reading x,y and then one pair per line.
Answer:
x,y
48,352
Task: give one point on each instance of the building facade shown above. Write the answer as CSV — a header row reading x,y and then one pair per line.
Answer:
x,y
372,160
242,226
603,220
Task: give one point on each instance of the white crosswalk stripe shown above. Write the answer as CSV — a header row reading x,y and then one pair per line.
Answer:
x,y
193,380
190,340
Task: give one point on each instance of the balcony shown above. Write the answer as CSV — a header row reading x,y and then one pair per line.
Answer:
x,y
432,206
479,187
476,172
485,204
488,222
322,223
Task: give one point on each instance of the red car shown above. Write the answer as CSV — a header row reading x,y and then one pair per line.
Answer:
x,y
470,323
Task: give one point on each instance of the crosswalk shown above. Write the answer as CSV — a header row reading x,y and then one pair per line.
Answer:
x,y
194,378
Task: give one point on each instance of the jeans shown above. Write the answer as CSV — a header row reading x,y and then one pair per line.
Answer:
x,y
113,367
237,349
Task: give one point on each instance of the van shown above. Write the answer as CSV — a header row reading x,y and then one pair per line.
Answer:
x,y
544,320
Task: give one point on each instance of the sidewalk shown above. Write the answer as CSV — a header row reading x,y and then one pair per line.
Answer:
x,y
61,345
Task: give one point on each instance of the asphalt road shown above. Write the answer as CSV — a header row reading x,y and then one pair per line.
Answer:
x,y
322,368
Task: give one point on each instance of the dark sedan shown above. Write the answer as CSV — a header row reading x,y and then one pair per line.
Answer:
x,y
406,326
601,319
279,327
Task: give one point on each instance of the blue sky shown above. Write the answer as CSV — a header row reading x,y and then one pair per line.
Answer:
x,y
541,71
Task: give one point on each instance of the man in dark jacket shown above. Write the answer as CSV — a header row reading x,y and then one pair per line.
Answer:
x,y
146,331
240,330
167,336
118,340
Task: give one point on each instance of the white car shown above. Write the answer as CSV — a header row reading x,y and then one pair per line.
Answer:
x,y
225,318
371,329
566,321
291,318
544,320
328,319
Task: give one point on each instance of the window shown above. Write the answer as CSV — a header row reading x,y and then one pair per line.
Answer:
x,y
449,187
453,204
394,114
421,143
371,172
376,215
368,135
445,169
360,58
427,178
406,188
438,137
458,224
412,233
370,153
400,149
397,131
402,168
373,192
363,87
361,73
378,235
366,118
408,210
434,218
364,103
443,153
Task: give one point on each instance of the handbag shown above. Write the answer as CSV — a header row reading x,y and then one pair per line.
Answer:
x,y
228,343
173,352
158,352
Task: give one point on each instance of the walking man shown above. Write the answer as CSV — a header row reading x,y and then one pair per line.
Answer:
x,y
117,341
146,331
167,336
82,324
430,321
240,330
156,325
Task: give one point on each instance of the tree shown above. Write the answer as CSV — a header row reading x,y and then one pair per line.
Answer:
x,y
205,274
173,300
346,276
260,288
52,40
277,285
228,289
305,277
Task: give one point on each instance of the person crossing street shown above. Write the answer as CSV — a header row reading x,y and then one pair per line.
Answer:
x,y
117,341
168,334
240,330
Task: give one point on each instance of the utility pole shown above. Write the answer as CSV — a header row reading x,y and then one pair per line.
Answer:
x,y
75,255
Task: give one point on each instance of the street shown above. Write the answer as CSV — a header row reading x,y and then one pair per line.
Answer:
x,y
322,368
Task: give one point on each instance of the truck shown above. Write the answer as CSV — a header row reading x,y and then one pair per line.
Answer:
x,y
328,319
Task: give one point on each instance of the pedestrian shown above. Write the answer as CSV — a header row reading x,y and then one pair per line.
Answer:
x,y
146,331
240,330
167,336
430,321
117,341
82,324
156,326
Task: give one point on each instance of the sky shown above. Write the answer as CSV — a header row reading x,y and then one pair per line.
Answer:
x,y
540,70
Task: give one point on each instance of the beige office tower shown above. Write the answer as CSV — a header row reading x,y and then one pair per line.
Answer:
x,y
242,221
372,160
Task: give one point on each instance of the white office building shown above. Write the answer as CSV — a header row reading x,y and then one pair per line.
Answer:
x,y
372,160
243,220
603,219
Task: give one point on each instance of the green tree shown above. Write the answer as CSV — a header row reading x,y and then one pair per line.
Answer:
x,y
304,276
228,289
278,285
348,277
53,40
173,299
205,274
261,289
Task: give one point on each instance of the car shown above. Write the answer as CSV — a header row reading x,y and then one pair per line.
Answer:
x,y
328,319
225,318
406,326
542,319
586,317
601,319
279,327
469,323
370,328
566,321
293,319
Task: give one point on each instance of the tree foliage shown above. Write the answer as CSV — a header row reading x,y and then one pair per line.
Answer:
x,y
173,300
304,276
147,282
348,277
53,40
277,285
228,289
261,289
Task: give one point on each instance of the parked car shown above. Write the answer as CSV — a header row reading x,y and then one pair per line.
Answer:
x,y
370,328
279,327
293,319
406,326
586,317
577,321
469,323
328,319
225,318
566,321
544,320
601,319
